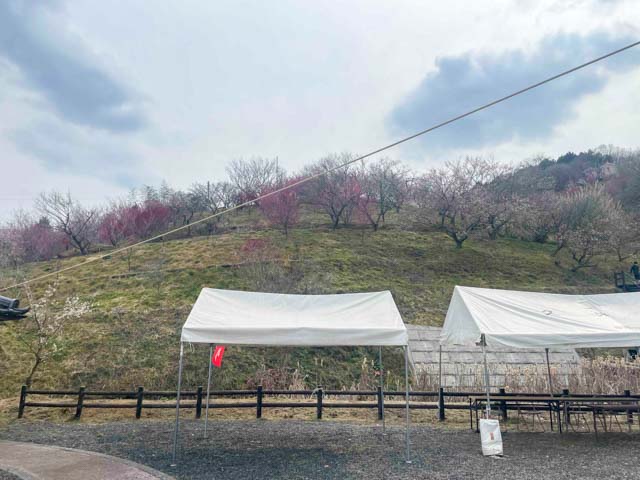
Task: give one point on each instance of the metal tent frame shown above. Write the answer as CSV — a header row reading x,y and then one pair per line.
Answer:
x,y
177,421
487,383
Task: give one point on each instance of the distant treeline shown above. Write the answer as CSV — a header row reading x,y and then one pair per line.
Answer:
x,y
585,203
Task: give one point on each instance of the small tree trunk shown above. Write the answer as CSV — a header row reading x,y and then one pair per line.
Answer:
x,y
29,380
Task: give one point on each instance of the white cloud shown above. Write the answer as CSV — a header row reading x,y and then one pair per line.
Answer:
x,y
297,80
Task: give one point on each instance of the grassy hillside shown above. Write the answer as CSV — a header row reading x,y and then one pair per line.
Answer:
x,y
131,336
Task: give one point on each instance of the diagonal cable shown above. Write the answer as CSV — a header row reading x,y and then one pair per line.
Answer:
x,y
326,171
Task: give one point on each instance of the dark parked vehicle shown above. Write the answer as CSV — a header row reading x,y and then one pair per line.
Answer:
x,y
10,309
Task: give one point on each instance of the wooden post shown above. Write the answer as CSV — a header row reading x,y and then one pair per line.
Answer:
x,y
139,397
567,420
199,402
441,414
319,403
23,400
259,402
80,402
380,396
627,393
503,405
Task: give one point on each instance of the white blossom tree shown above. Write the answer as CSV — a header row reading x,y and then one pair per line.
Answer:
x,y
42,331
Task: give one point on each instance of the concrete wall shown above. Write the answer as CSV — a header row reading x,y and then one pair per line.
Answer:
x,y
462,367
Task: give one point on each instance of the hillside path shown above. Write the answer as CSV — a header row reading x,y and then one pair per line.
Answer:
x,y
31,461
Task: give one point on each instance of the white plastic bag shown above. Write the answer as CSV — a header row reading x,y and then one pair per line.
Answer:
x,y
490,437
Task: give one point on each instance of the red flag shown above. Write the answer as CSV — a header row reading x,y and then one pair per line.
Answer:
x,y
218,353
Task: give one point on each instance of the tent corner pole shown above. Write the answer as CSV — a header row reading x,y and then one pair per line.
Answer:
x,y
382,389
406,400
177,427
206,410
439,367
487,386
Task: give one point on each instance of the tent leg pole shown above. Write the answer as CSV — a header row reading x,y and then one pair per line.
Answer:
x,y
546,351
206,414
382,387
440,367
441,415
486,375
177,427
406,401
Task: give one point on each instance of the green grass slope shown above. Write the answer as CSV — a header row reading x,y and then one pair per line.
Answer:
x,y
131,336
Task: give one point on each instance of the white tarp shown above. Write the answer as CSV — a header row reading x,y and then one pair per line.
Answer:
x,y
531,319
247,318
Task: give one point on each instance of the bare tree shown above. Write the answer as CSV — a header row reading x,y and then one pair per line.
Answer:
x,y
265,270
254,176
454,198
78,223
214,197
11,252
538,217
502,201
156,272
337,191
183,205
42,331
383,188
589,219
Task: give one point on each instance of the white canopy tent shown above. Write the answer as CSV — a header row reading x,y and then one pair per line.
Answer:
x,y
230,317
531,319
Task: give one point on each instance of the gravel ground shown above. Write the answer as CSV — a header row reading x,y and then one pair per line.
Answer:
x,y
295,449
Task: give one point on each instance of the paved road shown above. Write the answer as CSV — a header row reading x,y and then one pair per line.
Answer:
x,y
30,461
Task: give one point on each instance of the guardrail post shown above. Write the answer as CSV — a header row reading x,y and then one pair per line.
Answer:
x,y
441,414
139,397
259,402
199,402
23,400
319,395
380,395
503,404
80,402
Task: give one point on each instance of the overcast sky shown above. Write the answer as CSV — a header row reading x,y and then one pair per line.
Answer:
x,y
99,97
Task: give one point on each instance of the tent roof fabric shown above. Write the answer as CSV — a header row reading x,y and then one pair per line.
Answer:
x,y
231,317
531,319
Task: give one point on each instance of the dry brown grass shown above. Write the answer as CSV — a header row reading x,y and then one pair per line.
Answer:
x,y
600,375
